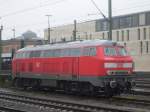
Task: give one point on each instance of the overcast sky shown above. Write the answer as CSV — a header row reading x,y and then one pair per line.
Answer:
x,y
30,14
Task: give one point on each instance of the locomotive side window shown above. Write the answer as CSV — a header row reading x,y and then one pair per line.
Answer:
x,y
19,55
56,53
86,51
65,52
48,53
23,55
31,54
92,51
16,56
110,51
89,51
27,54
75,52
35,54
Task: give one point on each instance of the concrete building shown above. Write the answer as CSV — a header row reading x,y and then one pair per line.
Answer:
x,y
15,44
84,30
132,31
29,38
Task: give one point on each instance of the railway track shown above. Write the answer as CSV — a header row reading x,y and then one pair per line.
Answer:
x,y
137,102
62,106
8,109
142,85
139,91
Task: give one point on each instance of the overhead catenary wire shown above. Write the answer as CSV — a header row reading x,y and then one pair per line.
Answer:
x,y
93,2
83,18
31,8
44,22
48,4
58,1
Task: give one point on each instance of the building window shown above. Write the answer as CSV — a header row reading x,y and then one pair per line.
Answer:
x,y
135,20
139,37
141,47
149,33
101,25
125,44
142,19
128,35
122,34
144,33
103,35
63,39
97,27
90,36
126,22
117,35
115,23
107,35
147,47
148,18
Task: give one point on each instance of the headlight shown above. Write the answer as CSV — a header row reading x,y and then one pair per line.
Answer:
x,y
110,65
127,65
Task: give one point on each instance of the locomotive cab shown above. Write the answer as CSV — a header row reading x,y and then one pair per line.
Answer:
x,y
118,70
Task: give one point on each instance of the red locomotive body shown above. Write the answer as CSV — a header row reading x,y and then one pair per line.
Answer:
x,y
94,66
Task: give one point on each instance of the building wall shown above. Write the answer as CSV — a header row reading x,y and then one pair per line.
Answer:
x,y
84,31
8,45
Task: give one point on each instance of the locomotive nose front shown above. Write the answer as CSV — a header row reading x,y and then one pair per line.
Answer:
x,y
118,69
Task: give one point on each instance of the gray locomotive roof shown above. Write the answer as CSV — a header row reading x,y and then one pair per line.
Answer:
x,y
75,44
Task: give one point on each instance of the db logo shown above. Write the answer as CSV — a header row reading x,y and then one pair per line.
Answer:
x,y
120,65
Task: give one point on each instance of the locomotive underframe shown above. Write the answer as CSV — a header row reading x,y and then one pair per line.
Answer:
x,y
114,84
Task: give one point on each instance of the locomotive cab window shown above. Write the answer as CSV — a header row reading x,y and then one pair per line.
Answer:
x,y
122,52
110,51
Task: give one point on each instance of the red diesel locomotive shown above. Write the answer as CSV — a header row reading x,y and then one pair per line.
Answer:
x,y
90,66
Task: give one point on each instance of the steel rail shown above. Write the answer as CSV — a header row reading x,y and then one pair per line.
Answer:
x,y
133,101
9,109
69,106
